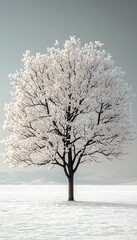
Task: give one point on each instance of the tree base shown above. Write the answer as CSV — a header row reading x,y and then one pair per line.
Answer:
x,y
70,189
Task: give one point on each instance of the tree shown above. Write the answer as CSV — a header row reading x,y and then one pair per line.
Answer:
x,y
69,106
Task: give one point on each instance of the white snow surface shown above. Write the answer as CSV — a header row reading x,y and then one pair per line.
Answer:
x,y
42,212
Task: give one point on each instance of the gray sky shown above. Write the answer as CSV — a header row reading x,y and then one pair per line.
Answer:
x,y
35,25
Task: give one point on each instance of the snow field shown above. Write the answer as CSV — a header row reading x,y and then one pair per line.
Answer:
x,y
38,212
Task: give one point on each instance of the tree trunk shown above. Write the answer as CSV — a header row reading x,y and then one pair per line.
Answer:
x,y
71,188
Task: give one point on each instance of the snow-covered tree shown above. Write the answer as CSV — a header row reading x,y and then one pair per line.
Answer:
x,y
69,106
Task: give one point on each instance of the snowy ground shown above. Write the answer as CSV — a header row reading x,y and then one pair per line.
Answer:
x,y
41,212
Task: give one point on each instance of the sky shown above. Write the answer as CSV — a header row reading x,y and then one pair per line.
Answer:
x,y
35,25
